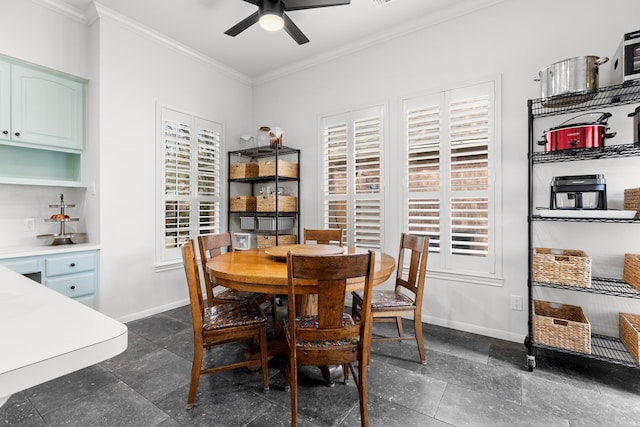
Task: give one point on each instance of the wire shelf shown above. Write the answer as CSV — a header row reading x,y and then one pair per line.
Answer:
x,y
604,348
576,154
623,94
599,285
565,219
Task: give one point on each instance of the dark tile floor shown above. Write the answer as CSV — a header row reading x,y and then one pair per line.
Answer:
x,y
469,380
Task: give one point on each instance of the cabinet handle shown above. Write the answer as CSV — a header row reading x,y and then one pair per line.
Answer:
x,y
73,287
73,264
6,132
17,133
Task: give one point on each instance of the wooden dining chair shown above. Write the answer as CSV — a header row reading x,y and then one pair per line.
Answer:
x,y
323,237
212,245
406,299
220,324
330,337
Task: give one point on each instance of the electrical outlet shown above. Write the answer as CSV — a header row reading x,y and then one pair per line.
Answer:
x,y
516,302
29,224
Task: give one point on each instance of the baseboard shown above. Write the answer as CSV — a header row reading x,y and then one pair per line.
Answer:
x,y
474,329
152,311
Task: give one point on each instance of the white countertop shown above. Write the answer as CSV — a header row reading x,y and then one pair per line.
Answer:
x,y
22,251
45,334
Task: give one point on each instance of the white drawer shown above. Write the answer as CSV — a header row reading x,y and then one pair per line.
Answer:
x,y
73,286
69,264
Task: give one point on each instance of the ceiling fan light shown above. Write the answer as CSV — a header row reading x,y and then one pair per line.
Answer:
x,y
271,22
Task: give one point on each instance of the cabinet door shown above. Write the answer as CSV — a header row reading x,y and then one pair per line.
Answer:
x,y
46,109
5,100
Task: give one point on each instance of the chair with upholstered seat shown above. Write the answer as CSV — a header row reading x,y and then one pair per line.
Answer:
x,y
324,236
406,299
220,324
212,245
330,337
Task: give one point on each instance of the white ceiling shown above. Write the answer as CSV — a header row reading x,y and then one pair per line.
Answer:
x,y
200,25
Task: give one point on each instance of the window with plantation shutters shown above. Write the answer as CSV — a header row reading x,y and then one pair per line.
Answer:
x,y
352,176
190,176
450,158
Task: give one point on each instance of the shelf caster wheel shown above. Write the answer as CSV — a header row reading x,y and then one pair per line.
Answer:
x,y
531,362
527,342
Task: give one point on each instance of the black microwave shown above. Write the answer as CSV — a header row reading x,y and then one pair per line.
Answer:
x,y
626,61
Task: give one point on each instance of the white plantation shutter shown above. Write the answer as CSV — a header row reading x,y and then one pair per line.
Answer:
x,y
352,176
190,176
423,173
469,159
450,148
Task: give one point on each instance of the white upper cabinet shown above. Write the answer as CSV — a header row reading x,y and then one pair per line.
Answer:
x,y
46,109
5,100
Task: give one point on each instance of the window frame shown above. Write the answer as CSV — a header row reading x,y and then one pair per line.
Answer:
x,y
171,257
450,266
352,197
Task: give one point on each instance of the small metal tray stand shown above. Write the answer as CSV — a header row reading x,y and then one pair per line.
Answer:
x,y
61,238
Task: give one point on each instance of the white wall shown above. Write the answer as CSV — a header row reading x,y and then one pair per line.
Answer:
x,y
514,39
137,72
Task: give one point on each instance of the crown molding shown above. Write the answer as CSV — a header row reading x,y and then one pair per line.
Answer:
x,y
64,9
106,13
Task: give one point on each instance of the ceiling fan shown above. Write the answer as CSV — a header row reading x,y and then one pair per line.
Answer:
x,y
272,17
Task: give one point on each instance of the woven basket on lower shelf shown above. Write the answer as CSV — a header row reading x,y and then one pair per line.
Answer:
x,y
243,170
267,240
285,169
632,200
285,203
562,266
629,325
561,325
243,204
631,272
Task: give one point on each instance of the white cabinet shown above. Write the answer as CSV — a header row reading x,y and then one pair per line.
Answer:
x,y
74,274
46,109
42,130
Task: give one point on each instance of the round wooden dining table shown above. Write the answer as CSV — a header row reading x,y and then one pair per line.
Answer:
x,y
254,270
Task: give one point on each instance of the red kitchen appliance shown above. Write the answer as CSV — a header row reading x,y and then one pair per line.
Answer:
x,y
574,133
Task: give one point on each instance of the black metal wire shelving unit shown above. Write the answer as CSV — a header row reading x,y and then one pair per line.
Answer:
x,y
604,348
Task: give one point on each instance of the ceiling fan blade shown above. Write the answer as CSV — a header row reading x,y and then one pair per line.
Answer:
x,y
312,4
243,25
293,30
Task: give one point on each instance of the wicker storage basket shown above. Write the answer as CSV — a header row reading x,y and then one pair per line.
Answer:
x,y
285,169
243,170
629,325
632,200
267,240
285,203
243,204
561,325
562,266
631,272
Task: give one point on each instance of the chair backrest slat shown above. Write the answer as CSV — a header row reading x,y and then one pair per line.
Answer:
x,y
331,274
193,281
418,249
324,236
212,245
